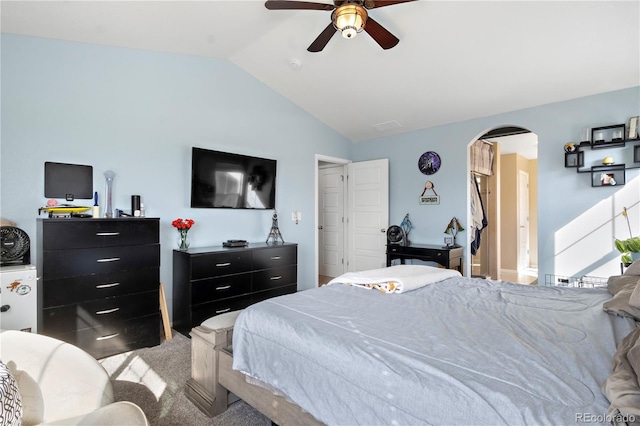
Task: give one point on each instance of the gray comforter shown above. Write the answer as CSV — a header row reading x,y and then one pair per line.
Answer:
x,y
458,352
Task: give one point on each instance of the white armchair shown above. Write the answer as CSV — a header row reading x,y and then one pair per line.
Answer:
x,y
60,384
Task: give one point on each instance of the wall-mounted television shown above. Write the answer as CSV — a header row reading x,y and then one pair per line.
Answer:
x,y
68,181
232,181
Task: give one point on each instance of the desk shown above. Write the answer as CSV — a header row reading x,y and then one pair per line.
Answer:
x,y
449,257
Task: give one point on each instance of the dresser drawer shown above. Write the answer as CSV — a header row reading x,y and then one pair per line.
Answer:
x,y
116,338
95,313
203,311
70,263
81,233
259,296
274,257
272,278
220,287
217,264
65,291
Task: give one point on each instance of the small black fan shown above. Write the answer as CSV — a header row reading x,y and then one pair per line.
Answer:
x,y
396,236
14,246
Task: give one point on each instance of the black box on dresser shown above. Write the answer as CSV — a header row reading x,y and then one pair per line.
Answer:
x,y
210,281
100,282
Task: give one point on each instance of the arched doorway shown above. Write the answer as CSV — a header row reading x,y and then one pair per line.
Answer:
x,y
504,244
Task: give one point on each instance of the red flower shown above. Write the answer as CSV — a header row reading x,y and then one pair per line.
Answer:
x,y
183,224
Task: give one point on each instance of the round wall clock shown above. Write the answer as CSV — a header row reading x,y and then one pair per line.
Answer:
x,y
429,163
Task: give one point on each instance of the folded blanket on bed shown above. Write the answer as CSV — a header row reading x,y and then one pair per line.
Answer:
x,y
396,279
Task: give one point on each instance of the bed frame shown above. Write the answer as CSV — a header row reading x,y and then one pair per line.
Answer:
x,y
214,384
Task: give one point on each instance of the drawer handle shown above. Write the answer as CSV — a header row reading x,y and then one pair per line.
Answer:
x,y
222,311
108,259
224,287
277,277
107,234
108,285
107,337
275,258
107,311
220,265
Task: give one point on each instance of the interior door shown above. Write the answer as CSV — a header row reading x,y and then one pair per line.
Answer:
x,y
523,220
331,221
368,214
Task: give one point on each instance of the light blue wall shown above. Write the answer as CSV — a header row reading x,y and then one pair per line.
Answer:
x,y
577,223
139,113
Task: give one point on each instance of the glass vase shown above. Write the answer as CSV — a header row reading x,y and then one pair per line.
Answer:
x,y
108,208
183,240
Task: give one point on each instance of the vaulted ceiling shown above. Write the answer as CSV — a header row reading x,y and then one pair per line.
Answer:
x,y
456,60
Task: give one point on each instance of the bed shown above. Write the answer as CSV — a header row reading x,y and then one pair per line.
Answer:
x,y
455,350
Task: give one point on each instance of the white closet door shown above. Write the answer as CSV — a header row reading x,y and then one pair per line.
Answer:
x,y
523,221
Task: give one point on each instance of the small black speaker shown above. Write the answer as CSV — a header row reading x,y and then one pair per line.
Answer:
x,y
135,205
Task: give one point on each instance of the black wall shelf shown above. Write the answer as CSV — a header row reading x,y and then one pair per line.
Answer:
x,y
604,138
608,136
608,175
574,159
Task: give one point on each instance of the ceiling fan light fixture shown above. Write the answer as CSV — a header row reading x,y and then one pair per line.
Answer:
x,y
349,19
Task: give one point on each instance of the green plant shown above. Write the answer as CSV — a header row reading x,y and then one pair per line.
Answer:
x,y
628,246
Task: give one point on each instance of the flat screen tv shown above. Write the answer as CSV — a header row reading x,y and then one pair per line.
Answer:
x,y
232,181
68,181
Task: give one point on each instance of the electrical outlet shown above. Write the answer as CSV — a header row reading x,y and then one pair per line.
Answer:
x,y
296,217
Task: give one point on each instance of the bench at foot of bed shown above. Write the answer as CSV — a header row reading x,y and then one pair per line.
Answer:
x,y
207,340
214,384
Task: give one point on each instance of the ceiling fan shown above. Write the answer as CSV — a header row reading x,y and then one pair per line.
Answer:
x,y
349,17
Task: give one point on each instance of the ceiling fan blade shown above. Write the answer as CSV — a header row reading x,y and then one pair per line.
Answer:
x,y
381,35
296,5
372,4
321,41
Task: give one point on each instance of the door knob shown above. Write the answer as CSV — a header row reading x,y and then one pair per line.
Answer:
x,y
383,230
320,227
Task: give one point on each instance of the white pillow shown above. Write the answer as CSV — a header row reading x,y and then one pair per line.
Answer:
x,y
11,406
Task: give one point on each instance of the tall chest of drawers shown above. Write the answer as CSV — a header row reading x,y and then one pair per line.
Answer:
x,y
100,283
213,280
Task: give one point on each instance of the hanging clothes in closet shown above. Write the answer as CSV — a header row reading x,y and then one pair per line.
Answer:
x,y
478,216
481,163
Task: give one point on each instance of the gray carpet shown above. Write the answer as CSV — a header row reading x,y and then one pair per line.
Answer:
x,y
154,378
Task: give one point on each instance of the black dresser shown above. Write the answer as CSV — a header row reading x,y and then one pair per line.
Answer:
x,y
100,283
213,280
